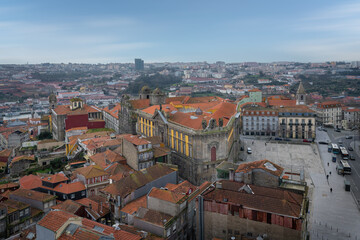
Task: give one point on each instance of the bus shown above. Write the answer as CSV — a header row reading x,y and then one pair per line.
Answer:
x,y
344,152
343,167
335,148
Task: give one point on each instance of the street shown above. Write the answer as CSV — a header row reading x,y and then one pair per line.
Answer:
x,y
354,178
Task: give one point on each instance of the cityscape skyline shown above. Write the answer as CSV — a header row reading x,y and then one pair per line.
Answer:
x,y
162,31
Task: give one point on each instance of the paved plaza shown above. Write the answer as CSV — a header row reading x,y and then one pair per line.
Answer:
x,y
332,215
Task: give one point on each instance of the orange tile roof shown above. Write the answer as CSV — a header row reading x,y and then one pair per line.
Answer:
x,y
9,185
262,164
114,111
23,157
329,104
56,178
282,102
54,220
133,206
255,90
297,108
140,103
91,171
33,195
104,159
69,206
166,195
65,109
77,128
136,139
5,153
30,182
153,217
100,208
68,188
166,108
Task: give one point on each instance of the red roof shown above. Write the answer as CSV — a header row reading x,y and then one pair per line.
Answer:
x,y
140,103
68,188
56,178
54,220
136,140
30,182
256,89
262,164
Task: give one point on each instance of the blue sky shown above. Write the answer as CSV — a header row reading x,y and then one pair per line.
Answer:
x,y
168,30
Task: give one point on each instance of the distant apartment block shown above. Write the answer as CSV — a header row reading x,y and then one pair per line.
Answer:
x,y
139,64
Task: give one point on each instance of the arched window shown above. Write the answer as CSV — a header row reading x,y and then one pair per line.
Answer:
x,y
213,154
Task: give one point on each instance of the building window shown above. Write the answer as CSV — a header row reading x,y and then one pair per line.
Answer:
x,y
72,196
82,193
27,211
21,213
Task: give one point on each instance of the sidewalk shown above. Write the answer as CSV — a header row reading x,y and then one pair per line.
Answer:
x,y
333,215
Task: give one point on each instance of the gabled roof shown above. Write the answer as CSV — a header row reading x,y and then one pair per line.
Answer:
x,y
68,188
56,178
133,206
140,103
33,195
153,217
136,140
136,180
104,159
30,182
5,153
113,111
69,206
91,171
54,220
272,200
21,158
265,165
166,195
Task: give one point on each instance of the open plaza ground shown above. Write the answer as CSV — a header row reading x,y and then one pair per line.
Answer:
x,y
332,215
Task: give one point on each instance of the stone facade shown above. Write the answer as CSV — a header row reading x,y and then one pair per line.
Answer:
x,y
297,123
196,152
259,121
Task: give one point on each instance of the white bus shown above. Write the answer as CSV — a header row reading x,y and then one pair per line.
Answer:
x,y
335,148
344,152
343,167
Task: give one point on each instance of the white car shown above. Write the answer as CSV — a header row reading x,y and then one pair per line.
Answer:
x,y
249,150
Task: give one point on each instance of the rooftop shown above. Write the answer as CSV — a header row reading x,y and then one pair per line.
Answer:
x,y
262,164
31,194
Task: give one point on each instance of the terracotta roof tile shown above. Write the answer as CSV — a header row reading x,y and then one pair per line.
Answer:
x,y
166,195
137,180
68,188
30,182
114,111
91,171
136,139
262,164
69,206
54,220
104,159
133,206
140,103
152,216
33,195
274,200
56,178
23,157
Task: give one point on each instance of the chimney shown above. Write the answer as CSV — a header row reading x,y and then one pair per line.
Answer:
x,y
231,174
90,205
219,185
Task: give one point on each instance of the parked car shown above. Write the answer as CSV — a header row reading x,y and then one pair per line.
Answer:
x,y
287,139
351,157
334,159
278,139
249,150
322,142
340,142
348,137
337,130
324,130
350,149
306,140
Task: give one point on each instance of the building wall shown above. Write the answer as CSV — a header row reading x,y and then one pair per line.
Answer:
x,y
290,125
148,227
159,205
16,139
131,154
44,233
20,166
224,226
260,125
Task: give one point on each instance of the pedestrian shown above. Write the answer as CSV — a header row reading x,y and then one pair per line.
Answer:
x,y
330,189
265,144
252,142
330,172
328,164
327,176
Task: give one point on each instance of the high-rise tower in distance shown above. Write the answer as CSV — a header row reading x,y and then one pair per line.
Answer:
x,y
139,64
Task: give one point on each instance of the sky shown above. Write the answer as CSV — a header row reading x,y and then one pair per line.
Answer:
x,y
107,31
